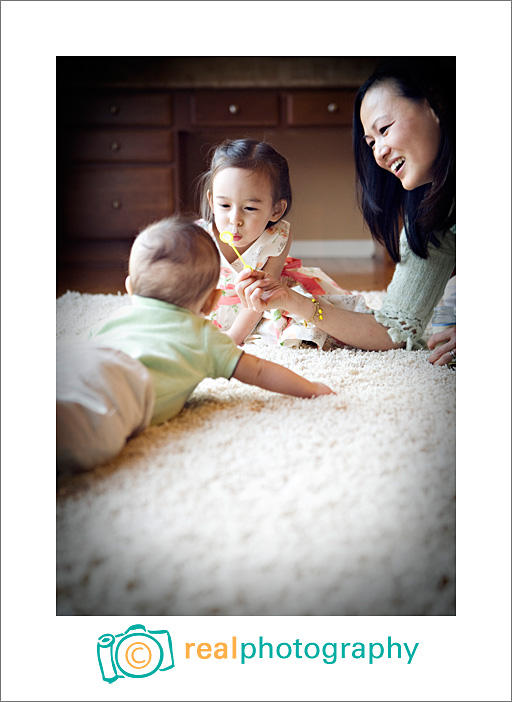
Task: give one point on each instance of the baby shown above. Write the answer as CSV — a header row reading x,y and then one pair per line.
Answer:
x,y
174,272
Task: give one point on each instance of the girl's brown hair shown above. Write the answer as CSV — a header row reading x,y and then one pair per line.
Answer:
x,y
251,155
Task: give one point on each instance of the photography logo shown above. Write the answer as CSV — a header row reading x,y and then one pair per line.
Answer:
x,y
137,653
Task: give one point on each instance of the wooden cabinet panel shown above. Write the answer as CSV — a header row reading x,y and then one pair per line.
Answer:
x,y
325,108
234,108
121,153
115,202
148,110
96,252
116,146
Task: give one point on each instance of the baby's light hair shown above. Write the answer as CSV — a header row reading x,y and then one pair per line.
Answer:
x,y
174,260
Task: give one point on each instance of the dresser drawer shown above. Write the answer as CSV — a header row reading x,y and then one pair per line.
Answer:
x,y
115,202
320,108
96,252
123,145
237,107
147,110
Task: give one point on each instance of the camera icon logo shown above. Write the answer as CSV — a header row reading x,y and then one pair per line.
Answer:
x,y
136,653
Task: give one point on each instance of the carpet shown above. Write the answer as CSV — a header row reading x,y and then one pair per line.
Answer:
x,y
253,503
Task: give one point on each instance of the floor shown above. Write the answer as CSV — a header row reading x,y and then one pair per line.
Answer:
x,y
350,273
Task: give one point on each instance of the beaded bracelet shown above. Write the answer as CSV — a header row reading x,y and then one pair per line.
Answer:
x,y
317,314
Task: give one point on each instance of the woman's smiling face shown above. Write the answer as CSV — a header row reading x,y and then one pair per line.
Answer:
x,y
404,134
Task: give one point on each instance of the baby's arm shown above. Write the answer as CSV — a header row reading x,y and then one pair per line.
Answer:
x,y
247,319
271,376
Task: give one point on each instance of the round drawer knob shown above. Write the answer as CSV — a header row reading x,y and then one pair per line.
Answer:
x,y
114,109
332,107
234,109
116,204
115,146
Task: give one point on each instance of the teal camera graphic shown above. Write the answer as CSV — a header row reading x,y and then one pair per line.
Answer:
x,y
137,653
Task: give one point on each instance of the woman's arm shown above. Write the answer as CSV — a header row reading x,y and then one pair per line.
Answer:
x,y
271,376
260,293
415,289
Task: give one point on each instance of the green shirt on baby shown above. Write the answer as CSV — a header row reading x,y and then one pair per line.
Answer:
x,y
178,347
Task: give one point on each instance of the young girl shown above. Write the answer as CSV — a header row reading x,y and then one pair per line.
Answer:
x,y
247,192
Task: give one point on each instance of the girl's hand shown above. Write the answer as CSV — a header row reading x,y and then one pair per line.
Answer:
x,y
442,355
259,292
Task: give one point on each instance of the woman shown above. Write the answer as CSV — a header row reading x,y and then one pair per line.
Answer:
x,y
404,149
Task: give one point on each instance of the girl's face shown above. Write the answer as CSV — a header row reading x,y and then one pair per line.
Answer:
x,y
241,201
403,134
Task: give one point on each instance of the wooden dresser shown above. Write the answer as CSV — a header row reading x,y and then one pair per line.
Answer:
x,y
128,157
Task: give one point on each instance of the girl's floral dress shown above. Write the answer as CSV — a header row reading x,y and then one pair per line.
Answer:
x,y
278,326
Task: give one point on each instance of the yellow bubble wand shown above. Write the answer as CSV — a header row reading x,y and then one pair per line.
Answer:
x,y
227,238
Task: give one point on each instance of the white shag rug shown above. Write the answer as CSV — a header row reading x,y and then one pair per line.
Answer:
x,y
252,503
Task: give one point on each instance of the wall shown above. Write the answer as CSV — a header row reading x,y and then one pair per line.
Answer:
x,y
217,71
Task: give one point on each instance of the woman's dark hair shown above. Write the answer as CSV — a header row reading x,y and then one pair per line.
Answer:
x,y
428,209
252,155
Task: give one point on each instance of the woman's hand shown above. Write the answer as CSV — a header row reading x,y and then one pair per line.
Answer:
x,y
442,355
258,291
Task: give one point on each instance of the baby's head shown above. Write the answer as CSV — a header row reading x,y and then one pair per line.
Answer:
x,y
250,155
176,261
